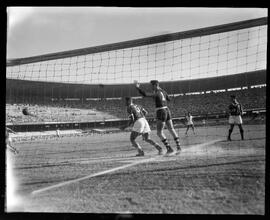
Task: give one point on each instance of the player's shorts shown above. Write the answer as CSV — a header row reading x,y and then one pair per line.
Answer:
x,y
141,126
235,119
190,123
164,114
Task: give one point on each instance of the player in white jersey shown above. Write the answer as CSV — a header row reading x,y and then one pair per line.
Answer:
x,y
140,126
9,141
190,123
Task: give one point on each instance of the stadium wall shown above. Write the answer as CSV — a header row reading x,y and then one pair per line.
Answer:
x,y
214,119
24,89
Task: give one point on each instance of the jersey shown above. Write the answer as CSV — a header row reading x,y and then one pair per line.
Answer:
x,y
161,97
189,119
235,108
136,111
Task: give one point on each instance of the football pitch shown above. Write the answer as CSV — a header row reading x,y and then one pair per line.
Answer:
x,y
99,173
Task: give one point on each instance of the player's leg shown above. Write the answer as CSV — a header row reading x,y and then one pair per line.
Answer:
x,y
171,129
241,131
133,137
187,129
137,131
230,132
239,122
146,136
192,126
160,133
231,123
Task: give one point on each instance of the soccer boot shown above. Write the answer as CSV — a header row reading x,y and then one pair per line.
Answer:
x,y
140,154
170,151
160,151
178,150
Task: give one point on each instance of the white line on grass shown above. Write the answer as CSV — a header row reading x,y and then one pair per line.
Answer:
x,y
196,147
94,175
112,170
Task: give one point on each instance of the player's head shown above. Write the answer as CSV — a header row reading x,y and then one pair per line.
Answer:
x,y
155,84
188,113
233,98
128,100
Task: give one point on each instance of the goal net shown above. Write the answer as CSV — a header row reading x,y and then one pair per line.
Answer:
x,y
198,68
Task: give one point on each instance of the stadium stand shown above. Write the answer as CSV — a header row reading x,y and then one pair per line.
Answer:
x,y
94,110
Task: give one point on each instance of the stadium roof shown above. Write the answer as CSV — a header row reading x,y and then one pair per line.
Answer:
x,y
25,88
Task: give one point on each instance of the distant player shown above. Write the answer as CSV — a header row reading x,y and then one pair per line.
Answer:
x,y
9,141
140,126
235,111
204,122
163,114
57,132
189,119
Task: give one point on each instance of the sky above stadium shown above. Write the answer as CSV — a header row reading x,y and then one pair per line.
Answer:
x,y
41,30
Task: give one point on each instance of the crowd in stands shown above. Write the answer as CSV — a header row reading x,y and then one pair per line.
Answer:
x,y
97,110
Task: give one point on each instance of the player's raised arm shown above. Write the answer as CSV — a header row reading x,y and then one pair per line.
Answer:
x,y
142,92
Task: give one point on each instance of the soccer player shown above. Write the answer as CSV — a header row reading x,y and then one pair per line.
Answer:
x,y
189,118
140,126
57,132
163,114
235,110
9,141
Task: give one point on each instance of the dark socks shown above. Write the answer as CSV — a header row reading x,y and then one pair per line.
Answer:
x,y
166,143
177,142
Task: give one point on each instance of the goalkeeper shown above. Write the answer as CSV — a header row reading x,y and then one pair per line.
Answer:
x,y
140,126
163,114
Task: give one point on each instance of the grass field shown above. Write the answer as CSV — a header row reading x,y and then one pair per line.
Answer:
x,y
100,174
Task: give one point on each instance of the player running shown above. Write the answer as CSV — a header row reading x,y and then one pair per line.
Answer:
x,y
140,126
189,119
9,141
163,114
235,110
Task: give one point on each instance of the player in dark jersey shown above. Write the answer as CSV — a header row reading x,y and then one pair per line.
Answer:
x,y
163,114
235,111
140,126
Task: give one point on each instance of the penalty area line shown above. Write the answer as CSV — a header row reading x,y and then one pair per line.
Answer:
x,y
93,175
